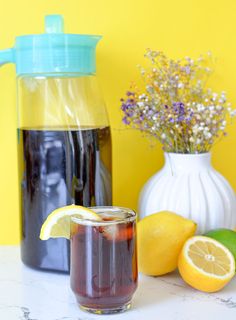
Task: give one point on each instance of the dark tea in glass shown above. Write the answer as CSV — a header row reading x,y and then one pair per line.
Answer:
x,y
104,260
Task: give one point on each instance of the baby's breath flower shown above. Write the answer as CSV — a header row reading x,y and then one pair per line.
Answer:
x,y
175,106
198,141
140,104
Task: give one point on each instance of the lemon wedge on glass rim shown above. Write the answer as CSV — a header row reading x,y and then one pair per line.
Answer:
x,y
57,224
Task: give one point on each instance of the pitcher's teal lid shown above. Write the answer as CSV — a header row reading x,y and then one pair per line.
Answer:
x,y
53,51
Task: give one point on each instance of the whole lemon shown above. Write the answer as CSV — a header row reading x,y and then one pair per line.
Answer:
x,y
161,237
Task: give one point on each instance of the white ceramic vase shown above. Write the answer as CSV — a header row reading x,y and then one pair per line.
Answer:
x,y
190,186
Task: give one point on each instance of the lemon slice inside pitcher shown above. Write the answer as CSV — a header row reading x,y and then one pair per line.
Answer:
x,y
57,224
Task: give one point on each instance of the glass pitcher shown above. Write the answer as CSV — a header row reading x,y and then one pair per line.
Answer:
x,y
64,142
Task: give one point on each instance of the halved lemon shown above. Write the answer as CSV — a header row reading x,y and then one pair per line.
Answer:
x,y
206,264
57,224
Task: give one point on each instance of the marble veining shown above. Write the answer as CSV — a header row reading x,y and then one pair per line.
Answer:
x,y
227,302
26,314
23,312
26,294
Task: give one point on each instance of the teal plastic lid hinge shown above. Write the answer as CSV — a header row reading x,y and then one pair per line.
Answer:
x,y
7,56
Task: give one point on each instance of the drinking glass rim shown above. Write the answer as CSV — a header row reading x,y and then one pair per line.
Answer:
x,y
131,216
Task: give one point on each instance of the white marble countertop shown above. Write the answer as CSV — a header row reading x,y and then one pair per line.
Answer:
x,y
26,294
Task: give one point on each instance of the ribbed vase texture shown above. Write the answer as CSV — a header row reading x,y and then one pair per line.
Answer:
x,y
190,186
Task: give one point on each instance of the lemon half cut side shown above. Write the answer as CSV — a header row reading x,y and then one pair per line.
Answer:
x,y
57,224
206,264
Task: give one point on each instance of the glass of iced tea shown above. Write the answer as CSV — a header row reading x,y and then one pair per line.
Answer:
x,y
104,260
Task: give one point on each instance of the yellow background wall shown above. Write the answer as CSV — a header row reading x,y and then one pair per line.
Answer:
x,y
179,28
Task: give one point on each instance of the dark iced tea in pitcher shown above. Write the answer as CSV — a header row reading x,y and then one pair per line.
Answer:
x,y
58,168
104,260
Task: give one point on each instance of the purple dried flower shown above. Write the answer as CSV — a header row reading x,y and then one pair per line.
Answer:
x,y
125,120
150,112
180,119
123,107
187,69
179,109
129,114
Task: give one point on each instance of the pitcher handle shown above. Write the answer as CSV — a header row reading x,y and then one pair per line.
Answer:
x,y
6,56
